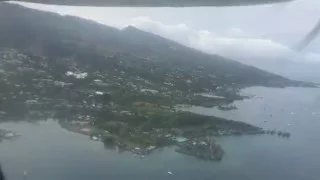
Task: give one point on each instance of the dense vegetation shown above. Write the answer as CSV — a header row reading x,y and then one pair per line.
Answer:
x,y
64,37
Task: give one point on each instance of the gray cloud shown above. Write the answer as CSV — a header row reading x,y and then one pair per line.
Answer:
x,y
236,45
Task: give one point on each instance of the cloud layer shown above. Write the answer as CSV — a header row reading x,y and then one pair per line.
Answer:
x,y
240,33
236,45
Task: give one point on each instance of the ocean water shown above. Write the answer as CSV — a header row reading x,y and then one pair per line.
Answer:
x,y
47,151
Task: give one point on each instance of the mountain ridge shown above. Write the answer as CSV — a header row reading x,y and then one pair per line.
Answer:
x,y
57,36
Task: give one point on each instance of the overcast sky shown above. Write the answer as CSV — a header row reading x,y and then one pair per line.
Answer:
x,y
248,33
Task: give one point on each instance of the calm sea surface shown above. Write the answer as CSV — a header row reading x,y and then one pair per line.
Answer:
x,y
47,151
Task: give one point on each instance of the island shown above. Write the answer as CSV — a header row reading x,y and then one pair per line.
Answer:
x,y
132,114
120,86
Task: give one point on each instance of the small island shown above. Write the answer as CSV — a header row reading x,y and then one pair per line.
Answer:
x,y
8,135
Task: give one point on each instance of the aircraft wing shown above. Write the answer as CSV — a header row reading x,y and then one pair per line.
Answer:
x,y
155,3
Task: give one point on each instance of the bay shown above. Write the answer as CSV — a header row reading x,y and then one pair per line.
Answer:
x,y
46,151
